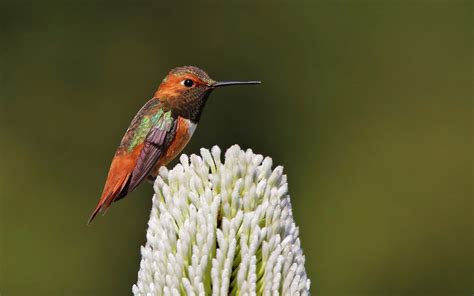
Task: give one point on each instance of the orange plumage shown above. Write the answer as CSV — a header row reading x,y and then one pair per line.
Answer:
x,y
120,171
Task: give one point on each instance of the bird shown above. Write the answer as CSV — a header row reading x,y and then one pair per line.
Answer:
x,y
159,131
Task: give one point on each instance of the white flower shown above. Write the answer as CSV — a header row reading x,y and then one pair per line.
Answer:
x,y
222,229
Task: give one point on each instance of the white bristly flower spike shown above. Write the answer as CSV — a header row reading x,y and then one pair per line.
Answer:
x,y
222,229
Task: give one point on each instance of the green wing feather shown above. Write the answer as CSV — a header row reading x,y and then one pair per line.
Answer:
x,y
156,141
147,122
150,115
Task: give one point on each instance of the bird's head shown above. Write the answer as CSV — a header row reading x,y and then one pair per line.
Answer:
x,y
185,90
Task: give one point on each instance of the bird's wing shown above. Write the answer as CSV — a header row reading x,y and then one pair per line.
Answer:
x,y
156,142
149,134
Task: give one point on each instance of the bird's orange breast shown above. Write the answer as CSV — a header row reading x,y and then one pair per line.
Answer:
x,y
184,131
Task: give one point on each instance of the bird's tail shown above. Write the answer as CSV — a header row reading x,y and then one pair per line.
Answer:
x,y
94,213
111,193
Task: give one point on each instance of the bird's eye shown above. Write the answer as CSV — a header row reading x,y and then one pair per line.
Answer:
x,y
188,83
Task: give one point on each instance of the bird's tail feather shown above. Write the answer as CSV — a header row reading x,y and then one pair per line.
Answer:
x,y
110,194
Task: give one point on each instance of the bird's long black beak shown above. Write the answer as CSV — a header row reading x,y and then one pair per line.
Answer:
x,y
226,83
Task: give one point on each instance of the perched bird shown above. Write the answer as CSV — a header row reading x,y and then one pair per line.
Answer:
x,y
159,131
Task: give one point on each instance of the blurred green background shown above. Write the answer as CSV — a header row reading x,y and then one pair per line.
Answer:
x,y
367,104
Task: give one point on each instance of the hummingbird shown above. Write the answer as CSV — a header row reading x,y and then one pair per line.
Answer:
x,y
159,131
